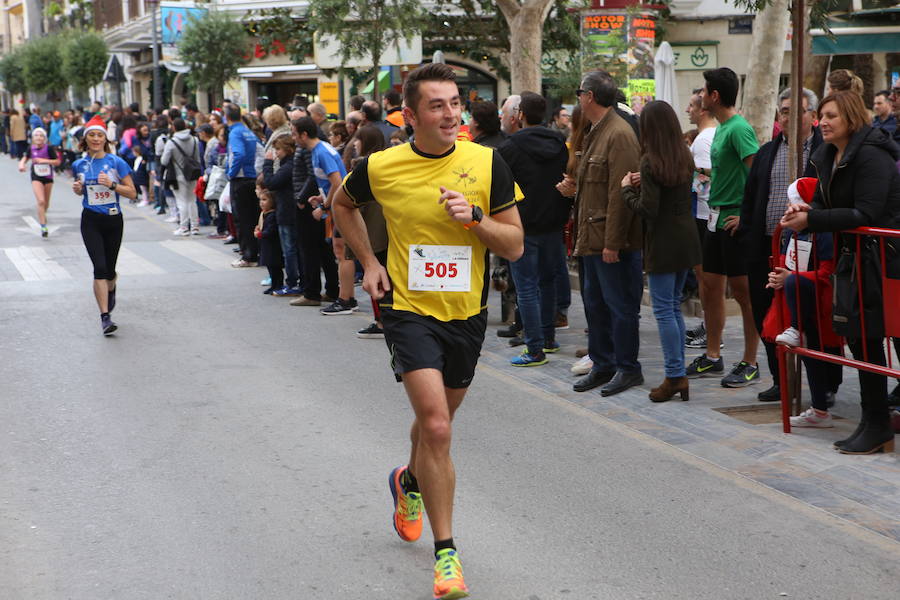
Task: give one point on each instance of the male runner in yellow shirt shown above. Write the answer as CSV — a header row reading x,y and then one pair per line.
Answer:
x,y
446,203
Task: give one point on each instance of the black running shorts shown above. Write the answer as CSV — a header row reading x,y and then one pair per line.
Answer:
x,y
419,342
723,255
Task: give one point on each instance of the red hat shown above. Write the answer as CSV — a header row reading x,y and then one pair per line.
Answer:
x,y
96,123
802,190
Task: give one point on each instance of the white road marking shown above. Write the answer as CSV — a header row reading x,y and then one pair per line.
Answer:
x,y
35,227
34,264
209,258
130,263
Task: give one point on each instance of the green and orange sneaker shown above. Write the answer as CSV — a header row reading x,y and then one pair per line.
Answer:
x,y
407,508
448,576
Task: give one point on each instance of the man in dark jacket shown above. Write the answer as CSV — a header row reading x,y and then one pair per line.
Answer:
x,y
372,113
765,200
315,253
537,157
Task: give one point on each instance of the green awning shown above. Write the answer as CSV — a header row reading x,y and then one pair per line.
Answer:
x,y
384,83
857,43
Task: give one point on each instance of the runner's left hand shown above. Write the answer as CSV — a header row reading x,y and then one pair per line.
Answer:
x,y
456,205
731,224
103,179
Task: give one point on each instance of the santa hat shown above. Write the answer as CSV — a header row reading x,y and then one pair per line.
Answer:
x,y
95,124
802,190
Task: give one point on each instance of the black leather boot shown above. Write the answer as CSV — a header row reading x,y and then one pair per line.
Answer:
x,y
876,435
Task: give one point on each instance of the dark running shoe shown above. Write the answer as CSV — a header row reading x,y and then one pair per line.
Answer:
x,y
742,374
371,332
340,307
773,394
107,325
704,367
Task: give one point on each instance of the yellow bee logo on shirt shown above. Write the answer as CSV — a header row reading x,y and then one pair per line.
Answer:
x,y
465,176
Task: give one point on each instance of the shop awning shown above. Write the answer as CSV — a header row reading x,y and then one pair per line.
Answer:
x,y
864,42
384,83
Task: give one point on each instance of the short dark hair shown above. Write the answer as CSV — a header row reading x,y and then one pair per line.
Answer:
x,y
174,113
427,72
392,97
371,110
556,112
533,107
724,81
179,124
602,86
232,113
306,125
885,93
356,102
486,117
135,107
205,128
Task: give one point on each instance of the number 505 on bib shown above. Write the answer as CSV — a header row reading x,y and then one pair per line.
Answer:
x,y
440,268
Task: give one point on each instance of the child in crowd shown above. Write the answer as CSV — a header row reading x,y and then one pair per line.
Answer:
x,y
269,243
812,257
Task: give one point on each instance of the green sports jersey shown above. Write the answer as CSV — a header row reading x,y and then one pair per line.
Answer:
x,y
735,140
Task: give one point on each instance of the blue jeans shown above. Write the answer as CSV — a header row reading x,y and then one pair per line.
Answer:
x,y
535,275
612,305
288,235
563,285
665,293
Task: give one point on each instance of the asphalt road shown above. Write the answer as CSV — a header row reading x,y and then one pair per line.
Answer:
x,y
224,445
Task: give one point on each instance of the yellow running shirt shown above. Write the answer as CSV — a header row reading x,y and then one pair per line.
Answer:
x,y
437,267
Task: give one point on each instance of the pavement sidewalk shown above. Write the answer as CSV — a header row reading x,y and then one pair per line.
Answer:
x,y
729,427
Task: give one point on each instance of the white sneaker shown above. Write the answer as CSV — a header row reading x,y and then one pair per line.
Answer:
x,y
182,232
582,366
171,219
143,203
789,337
809,418
195,232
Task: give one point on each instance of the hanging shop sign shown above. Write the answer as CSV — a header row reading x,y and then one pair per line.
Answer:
x,y
699,56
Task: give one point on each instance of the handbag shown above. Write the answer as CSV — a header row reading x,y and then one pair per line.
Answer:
x,y
225,198
216,183
846,313
190,167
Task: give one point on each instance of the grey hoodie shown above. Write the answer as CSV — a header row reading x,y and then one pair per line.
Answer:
x,y
187,144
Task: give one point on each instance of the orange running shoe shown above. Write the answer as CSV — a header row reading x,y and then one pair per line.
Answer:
x,y
448,576
407,508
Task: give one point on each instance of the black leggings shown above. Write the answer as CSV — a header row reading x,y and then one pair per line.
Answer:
x,y
102,235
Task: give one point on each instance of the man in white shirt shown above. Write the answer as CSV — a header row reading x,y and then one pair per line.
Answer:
x,y
700,149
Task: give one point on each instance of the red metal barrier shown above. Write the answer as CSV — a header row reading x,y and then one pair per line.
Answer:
x,y
891,306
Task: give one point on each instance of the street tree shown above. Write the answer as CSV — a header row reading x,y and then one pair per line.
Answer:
x,y
84,57
12,71
477,31
365,29
277,31
770,29
214,47
41,64
526,25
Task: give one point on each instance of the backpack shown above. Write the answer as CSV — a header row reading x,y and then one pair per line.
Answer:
x,y
190,166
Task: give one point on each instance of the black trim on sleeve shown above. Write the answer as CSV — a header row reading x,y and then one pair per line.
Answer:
x,y
356,185
503,191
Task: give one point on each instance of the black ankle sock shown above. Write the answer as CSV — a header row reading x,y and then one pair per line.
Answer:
x,y
443,545
408,481
106,314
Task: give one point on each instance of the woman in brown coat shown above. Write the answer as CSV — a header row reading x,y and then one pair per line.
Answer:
x,y
661,195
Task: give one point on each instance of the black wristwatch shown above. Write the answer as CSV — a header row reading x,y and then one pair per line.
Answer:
x,y
113,185
477,214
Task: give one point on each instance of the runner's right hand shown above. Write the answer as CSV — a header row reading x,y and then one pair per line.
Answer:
x,y
376,282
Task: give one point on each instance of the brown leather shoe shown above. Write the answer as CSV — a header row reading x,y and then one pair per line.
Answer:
x,y
671,386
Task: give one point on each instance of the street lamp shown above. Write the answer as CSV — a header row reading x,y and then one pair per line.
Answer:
x,y
157,82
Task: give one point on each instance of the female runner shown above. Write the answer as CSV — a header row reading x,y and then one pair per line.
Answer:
x,y
100,178
43,158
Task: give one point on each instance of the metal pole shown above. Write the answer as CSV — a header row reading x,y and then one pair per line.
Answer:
x,y
157,82
798,60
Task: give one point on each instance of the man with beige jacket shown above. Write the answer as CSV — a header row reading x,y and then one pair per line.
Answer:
x,y
608,238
